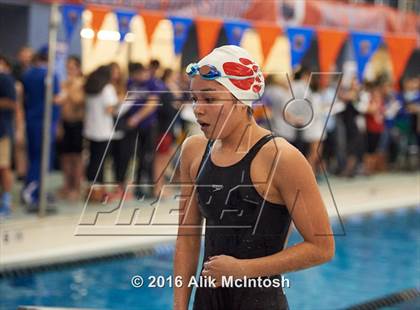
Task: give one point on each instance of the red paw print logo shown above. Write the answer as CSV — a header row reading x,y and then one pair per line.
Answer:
x,y
245,68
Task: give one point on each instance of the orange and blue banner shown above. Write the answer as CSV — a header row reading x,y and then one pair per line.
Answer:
x,y
71,15
364,45
300,40
181,27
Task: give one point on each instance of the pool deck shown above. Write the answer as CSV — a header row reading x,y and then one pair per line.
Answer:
x,y
78,232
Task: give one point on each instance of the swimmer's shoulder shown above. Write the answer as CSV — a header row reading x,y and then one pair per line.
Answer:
x,y
284,151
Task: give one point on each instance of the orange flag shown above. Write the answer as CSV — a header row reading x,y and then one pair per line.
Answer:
x,y
98,16
207,34
400,49
330,43
151,20
268,33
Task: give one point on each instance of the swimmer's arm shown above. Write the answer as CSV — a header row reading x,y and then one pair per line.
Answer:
x,y
296,182
187,248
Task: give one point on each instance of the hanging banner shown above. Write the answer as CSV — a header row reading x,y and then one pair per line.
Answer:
x,y
400,50
330,43
268,34
235,31
98,16
181,26
151,19
207,34
300,39
71,15
364,45
124,19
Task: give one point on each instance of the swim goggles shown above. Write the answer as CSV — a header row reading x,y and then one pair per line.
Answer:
x,y
209,72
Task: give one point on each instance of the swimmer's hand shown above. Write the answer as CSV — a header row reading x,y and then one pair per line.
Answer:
x,y
222,265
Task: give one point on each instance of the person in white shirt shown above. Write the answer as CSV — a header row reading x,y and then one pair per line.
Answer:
x,y
101,102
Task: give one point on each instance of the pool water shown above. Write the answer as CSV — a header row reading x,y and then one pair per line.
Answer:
x,y
378,255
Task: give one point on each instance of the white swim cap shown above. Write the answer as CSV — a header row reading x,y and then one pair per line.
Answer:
x,y
233,61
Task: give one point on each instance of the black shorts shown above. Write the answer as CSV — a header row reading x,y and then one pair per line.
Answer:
x,y
72,140
372,142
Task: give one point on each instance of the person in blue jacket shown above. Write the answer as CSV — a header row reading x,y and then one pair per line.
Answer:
x,y
34,84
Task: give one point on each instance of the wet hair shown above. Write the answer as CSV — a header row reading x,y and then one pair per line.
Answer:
x,y
97,80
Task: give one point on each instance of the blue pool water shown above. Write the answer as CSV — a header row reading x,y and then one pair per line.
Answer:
x,y
378,255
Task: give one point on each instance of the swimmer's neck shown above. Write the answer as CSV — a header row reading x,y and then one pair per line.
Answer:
x,y
242,138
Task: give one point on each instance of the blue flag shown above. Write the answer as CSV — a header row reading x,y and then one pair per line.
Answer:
x,y
181,27
235,30
71,15
124,19
300,40
364,45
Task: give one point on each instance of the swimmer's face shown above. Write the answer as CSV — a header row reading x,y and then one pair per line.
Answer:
x,y
217,111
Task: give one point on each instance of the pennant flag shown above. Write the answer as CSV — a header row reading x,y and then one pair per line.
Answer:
x,y
98,16
268,35
400,50
70,15
181,27
300,40
364,45
124,19
235,31
151,20
207,33
330,43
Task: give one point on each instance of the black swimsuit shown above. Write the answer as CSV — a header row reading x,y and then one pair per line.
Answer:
x,y
239,223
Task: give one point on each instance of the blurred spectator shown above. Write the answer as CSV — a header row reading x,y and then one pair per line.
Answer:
x,y
375,113
408,119
72,100
34,89
349,94
141,122
166,121
7,108
313,134
124,146
335,142
19,148
101,103
24,60
388,144
119,148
